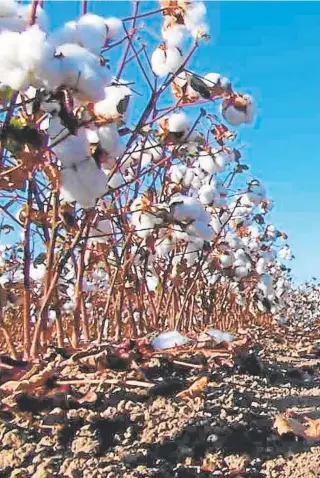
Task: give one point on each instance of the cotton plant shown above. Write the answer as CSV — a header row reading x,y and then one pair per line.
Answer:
x,y
134,192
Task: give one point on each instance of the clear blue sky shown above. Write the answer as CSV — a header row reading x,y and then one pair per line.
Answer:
x,y
272,51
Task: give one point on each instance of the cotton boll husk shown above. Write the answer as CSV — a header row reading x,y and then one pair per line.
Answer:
x,y
91,32
178,122
114,25
109,138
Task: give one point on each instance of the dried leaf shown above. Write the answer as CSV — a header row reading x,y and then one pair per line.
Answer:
x,y
312,430
284,424
195,390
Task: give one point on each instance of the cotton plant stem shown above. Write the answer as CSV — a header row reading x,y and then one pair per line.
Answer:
x,y
26,273
10,346
52,286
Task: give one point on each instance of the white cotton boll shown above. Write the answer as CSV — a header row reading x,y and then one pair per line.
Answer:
x,y
16,78
143,225
173,35
271,231
285,253
207,162
194,15
240,271
84,185
65,34
233,240
188,178
91,32
178,123
163,246
38,273
188,208
116,179
116,97
238,110
114,25
207,193
165,61
102,231
109,138
9,45
8,8
41,17
33,48
201,230
226,259
73,150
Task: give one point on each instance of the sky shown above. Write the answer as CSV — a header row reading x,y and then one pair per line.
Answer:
x,y
270,50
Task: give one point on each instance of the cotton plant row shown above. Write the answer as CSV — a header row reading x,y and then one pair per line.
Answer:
x,y
133,214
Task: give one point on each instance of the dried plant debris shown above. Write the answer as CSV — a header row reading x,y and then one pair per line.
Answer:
x,y
174,412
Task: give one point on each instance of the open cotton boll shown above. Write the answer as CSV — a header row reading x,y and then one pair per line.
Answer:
x,y
9,46
173,35
65,34
33,48
194,15
84,185
207,193
109,138
116,179
91,32
38,273
115,101
114,25
163,246
285,253
73,150
41,18
186,208
200,229
226,259
165,60
238,110
211,163
16,78
8,8
178,123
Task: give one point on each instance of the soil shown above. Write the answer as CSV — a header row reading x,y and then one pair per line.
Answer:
x,y
129,428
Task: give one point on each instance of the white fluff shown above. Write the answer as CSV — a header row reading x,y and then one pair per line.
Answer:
x,y
114,25
8,8
165,61
65,34
178,123
173,35
91,32
109,138
114,94
236,115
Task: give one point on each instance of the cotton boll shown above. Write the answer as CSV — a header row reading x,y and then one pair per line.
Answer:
x,y
207,193
285,253
226,259
84,185
201,230
16,78
240,271
9,45
194,15
41,18
166,60
211,163
173,35
188,178
8,8
178,123
237,110
73,150
116,179
187,208
65,34
114,25
38,273
33,48
115,101
109,138
163,246
91,32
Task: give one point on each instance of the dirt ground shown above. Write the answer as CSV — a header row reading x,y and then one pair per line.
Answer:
x,y
95,428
